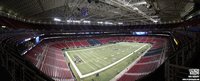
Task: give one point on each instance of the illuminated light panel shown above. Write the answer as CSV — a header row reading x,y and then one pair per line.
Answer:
x,y
69,21
3,26
76,21
140,33
109,23
176,41
100,22
135,8
120,23
139,3
27,39
155,21
86,21
56,19
37,39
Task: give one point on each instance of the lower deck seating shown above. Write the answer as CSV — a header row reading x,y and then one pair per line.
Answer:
x,y
56,72
140,68
149,58
154,52
126,77
52,60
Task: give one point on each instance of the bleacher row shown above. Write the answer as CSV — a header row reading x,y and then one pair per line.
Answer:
x,y
51,61
48,56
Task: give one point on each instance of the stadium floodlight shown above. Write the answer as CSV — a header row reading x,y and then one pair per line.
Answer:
x,y
85,21
120,23
69,21
140,33
108,23
176,41
56,19
139,3
100,22
155,21
135,8
3,26
76,21
27,39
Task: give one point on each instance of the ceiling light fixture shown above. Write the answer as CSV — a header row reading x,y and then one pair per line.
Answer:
x,y
76,21
139,3
85,21
155,21
69,21
3,26
100,22
109,23
56,19
120,23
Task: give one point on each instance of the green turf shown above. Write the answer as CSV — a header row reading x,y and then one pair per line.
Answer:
x,y
98,57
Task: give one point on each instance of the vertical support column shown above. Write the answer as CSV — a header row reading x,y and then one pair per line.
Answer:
x,y
23,74
167,75
183,57
176,59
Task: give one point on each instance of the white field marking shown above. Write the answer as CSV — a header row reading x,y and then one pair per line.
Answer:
x,y
102,69
92,73
73,57
93,55
81,59
73,64
89,64
95,58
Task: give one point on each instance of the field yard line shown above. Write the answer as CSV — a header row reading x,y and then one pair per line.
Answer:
x,y
81,58
89,64
73,64
92,73
93,63
96,58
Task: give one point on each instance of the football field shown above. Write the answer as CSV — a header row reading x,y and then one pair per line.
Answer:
x,y
99,62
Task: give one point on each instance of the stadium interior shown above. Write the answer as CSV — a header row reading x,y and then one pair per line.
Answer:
x,y
99,40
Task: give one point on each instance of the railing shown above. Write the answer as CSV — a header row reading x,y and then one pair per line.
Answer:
x,y
18,68
176,67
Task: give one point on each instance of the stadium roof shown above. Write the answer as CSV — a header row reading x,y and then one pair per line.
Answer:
x,y
130,11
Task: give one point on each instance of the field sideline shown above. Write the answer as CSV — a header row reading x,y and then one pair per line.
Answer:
x,y
93,60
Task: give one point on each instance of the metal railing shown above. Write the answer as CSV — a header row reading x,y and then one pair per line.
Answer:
x,y
176,67
17,67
